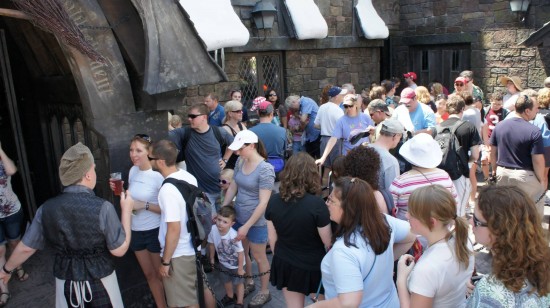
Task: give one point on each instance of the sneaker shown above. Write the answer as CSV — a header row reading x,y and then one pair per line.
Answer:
x,y
249,288
259,300
227,301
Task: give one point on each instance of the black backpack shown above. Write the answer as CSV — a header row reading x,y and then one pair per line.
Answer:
x,y
455,161
199,210
181,139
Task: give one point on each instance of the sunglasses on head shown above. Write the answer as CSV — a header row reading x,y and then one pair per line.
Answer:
x,y
194,116
144,137
224,182
479,223
152,158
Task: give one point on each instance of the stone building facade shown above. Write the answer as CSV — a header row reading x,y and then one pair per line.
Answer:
x,y
303,67
486,34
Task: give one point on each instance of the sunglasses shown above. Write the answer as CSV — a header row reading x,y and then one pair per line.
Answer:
x,y
144,137
459,84
223,182
194,116
152,158
272,94
479,223
347,106
441,96
237,111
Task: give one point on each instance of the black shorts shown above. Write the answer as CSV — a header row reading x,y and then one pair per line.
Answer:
x,y
148,239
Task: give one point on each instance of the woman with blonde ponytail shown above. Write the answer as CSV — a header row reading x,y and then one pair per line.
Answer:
x,y
439,278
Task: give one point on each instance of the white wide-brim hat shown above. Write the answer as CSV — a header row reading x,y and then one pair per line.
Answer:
x,y
422,151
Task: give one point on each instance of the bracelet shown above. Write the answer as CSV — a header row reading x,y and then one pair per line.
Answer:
x,y
6,271
165,263
147,205
225,160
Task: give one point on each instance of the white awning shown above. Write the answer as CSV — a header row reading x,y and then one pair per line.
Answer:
x,y
216,23
307,19
372,26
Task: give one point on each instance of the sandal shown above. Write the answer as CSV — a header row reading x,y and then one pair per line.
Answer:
x,y
259,300
4,298
249,288
21,274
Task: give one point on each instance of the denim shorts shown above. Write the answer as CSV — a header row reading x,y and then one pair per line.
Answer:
x,y
256,235
10,227
148,239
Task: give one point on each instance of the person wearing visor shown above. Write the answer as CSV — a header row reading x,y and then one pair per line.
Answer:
x,y
354,123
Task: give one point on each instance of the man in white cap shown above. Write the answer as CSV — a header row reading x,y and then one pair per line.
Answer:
x,y
84,230
391,131
416,117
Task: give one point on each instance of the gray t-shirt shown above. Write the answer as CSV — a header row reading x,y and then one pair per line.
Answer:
x,y
248,193
473,116
389,167
202,154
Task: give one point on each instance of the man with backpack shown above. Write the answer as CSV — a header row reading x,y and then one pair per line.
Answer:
x,y
178,256
459,141
200,145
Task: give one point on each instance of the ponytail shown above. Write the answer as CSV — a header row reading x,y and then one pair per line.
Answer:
x,y
461,241
261,149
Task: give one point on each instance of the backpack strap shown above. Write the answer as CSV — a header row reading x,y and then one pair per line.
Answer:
x,y
232,130
184,190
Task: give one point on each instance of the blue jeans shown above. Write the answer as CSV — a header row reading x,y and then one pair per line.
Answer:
x,y
10,227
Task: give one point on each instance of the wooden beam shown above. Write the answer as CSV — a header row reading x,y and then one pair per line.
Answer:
x,y
14,14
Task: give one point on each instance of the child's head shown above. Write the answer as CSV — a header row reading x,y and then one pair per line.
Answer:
x,y
226,176
496,101
227,212
338,169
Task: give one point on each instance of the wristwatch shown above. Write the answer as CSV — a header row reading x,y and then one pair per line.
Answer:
x,y
8,272
165,263
147,205
224,160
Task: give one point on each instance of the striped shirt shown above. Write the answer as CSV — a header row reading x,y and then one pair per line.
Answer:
x,y
402,187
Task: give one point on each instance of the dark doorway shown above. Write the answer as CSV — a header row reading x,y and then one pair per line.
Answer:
x,y
439,62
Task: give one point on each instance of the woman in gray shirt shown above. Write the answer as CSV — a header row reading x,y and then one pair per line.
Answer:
x,y
252,183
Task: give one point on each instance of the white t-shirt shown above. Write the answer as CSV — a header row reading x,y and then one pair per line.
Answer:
x,y
172,208
144,186
439,275
227,248
346,269
509,100
327,116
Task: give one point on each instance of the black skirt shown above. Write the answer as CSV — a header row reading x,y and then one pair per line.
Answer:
x,y
295,279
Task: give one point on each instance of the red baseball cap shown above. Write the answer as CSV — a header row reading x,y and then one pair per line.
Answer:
x,y
410,75
407,95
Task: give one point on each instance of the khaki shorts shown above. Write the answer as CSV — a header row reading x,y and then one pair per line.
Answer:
x,y
180,287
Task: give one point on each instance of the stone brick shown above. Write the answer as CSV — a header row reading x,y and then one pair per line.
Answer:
x,y
499,70
304,70
473,24
335,11
530,52
205,89
335,62
331,72
473,15
504,36
509,52
311,85
354,78
536,77
336,2
347,10
342,78
295,83
486,39
439,8
340,18
308,60
323,83
318,73
343,28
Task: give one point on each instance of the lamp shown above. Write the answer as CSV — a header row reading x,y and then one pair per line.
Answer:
x,y
520,7
264,15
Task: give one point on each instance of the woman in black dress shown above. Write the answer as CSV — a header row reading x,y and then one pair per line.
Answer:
x,y
298,224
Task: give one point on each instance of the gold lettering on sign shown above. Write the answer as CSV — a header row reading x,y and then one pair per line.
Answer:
x,y
101,78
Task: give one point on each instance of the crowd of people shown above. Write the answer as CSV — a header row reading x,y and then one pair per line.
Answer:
x,y
363,200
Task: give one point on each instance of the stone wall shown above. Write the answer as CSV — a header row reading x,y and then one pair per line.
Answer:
x,y
310,64
493,31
